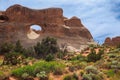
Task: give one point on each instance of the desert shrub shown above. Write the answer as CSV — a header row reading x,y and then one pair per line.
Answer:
x,y
42,75
72,68
61,54
118,46
58,71
68,77
71,77
13,58
92,73
49,57
38,67
87,77
75,76
48,45
112,55
93,57
110,73
91,69
29,52
6,48
79,57
18,72
25,75
2,75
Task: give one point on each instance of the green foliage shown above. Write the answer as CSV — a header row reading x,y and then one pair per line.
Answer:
x,y
48,45
93,57
110,73
49,57
61,54
91,69
2,75
118,46
87,77
92,73
42,75
6,48
29,52
25,75
13,58
38,67
79,57
71,77
18,47
72,68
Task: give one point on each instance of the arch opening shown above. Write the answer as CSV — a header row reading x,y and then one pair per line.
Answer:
x,y
34,31
36,27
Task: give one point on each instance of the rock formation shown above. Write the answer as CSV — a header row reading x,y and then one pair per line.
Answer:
x,y
15,25
112,42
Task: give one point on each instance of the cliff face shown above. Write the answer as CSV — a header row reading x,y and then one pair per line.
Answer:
x,y
112,42
17,21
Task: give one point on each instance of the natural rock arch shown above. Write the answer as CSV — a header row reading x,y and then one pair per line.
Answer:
x,y
34,31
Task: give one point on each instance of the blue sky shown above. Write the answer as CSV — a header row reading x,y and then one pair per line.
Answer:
x,y
101,17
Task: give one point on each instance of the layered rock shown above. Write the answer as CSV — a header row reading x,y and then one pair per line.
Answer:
x,y
112,41
53,23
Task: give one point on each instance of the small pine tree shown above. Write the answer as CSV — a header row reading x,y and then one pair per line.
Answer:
x,y
92,56
48,45
18,47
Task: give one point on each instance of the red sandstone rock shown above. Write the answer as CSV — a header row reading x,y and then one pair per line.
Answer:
x,y
52,21
112,42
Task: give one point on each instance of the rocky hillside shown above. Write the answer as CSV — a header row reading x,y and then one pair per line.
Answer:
x,y
15,24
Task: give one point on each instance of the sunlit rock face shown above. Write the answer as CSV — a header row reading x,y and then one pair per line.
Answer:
x,y
53,23
112,41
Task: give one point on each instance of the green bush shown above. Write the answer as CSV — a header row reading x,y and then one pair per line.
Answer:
x,y
25,75
42,75
29,52
93,57
91,69
87,77
18,47
47,46
38,67
49,57
71,77
110,73
72,68
2,75
6,48
92,73
13,58
79,57
58,71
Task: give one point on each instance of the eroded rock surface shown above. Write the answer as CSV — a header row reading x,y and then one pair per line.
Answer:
x,y
53,23
112,41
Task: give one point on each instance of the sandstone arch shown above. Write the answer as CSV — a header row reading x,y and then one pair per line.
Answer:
x,y
52,21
